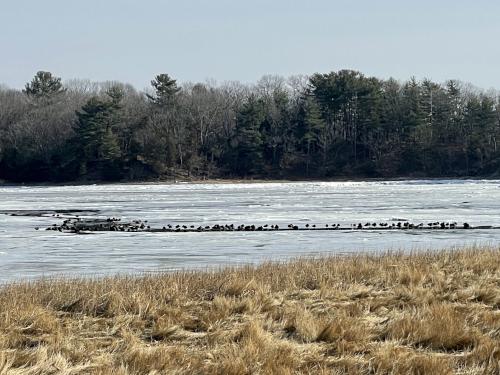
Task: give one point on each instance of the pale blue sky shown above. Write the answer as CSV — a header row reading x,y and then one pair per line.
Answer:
x,y
193,40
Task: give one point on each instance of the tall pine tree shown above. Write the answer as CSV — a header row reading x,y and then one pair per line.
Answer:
x,y
44,87
96,140
248,140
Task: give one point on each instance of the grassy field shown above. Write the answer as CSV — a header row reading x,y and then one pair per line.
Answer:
x,y
431,313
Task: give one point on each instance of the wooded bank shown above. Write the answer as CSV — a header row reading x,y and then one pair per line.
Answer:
x,y
335,125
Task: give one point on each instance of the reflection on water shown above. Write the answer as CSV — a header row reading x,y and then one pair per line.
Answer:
x,y
25,252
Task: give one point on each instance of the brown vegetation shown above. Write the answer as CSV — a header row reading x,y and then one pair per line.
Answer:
x,y
431,313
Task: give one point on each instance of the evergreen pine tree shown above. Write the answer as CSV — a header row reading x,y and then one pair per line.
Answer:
x,y
313,128
97,143
249,145
165,90
44,86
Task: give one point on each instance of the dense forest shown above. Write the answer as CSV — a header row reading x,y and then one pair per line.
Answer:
x,y
334,125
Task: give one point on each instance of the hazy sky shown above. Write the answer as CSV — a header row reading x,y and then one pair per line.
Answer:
x,y
193,40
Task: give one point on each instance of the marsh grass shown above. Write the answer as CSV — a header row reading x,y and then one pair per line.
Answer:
x,y
422,313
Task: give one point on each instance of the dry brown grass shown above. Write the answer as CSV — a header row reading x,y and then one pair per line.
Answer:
x,y
431,313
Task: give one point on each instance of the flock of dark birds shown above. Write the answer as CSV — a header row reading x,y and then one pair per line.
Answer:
x,y
80,225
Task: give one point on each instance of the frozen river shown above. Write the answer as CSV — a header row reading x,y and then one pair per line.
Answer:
x,y
27,253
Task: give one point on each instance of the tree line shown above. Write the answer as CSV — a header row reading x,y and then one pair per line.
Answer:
x,y
338,124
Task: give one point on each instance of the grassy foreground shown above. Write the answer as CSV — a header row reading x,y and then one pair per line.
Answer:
x,y
432,313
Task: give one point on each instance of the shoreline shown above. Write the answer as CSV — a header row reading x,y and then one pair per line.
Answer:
x,y
222,181
433,312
